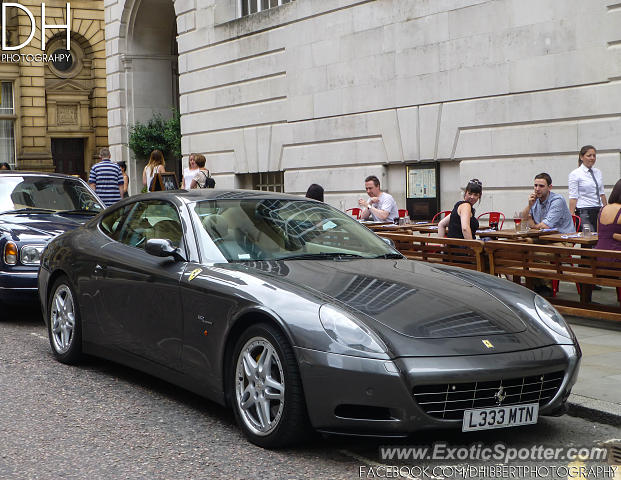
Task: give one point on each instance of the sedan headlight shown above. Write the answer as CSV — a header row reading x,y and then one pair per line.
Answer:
x,y
10,253
551,317
346,331
31,254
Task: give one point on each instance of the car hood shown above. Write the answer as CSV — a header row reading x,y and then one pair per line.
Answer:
x,y
414,299
25,226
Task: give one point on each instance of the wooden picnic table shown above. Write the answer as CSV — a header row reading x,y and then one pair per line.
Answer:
x,y
368,223
511,234
389,227
575,238
424,227
584,242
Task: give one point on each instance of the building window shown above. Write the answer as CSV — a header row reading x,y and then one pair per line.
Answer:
x,y
269,181
7,125
248,7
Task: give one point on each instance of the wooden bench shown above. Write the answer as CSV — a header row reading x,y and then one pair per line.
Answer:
x,y
583,266
448,251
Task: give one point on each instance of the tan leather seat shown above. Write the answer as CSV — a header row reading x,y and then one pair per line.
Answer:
x,y
169,229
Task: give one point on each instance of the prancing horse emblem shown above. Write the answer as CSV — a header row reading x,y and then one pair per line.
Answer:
x,y
500,395
194,273
487,343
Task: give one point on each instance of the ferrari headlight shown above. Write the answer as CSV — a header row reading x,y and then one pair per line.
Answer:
x,y
551,317
31,254
346,331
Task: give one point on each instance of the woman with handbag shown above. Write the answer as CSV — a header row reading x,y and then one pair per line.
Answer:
x,y
202,178
156,165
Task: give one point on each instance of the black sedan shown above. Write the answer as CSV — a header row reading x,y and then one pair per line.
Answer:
x,y
299,317
34,208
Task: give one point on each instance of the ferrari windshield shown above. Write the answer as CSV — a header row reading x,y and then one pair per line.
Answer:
x,y
278,229
46,194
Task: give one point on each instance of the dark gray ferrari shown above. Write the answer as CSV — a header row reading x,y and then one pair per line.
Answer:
x,y
300,318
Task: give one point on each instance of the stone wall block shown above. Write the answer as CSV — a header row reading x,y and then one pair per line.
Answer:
x,y
429,117
408,133
342,179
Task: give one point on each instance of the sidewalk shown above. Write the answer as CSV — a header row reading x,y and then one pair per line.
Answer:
x,y
597,393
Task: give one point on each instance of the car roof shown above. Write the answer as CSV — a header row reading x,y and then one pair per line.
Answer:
x,y
25,173
218,194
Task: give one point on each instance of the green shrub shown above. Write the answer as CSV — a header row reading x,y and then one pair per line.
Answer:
x,y
157,133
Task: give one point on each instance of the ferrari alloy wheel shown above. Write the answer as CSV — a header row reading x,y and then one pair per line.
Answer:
x,y
64,323
267,392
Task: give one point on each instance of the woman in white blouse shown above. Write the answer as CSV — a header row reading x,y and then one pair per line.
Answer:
x,y
190,172
586,188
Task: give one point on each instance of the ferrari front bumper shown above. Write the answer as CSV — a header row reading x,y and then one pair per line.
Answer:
x,y
364,396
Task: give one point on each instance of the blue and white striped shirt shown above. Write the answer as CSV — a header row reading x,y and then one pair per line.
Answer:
x,y
107,177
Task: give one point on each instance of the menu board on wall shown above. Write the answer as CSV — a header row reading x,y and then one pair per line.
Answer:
x,y
421,182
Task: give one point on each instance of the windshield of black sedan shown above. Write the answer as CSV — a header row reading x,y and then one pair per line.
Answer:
x,y
276,229
39,194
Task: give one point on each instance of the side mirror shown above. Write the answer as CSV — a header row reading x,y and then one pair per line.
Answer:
x,y
162,247
389,241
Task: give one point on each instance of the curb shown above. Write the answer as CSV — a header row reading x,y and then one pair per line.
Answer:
x,y
595,410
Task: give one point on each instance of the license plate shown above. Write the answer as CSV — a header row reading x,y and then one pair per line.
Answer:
x,y
500,417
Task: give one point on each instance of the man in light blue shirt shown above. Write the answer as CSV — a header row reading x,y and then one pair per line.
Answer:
x,y
547,209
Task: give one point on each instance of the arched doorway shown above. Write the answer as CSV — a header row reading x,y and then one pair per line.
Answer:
x,y
152,74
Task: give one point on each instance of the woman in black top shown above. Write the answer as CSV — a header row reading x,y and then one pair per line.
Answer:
x,y
461,222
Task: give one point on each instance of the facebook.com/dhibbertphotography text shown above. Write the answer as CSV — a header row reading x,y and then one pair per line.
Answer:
x,y
499,460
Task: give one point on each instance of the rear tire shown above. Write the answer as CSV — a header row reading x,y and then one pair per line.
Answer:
x,y
266,388
64,325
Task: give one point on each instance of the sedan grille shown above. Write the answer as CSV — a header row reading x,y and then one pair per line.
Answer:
x,y
448,401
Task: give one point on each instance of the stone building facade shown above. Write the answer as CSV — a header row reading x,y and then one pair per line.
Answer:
x,y
330,91
53,115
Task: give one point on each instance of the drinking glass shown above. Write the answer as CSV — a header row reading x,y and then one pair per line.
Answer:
x,y
517,219
586,229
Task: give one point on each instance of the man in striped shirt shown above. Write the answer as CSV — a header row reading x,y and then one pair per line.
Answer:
x,y
106,179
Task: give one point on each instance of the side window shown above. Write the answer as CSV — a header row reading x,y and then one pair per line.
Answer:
x,y
111,223
151,219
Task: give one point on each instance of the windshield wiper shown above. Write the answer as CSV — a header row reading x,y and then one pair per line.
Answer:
x,y
29,210
322,256
80,211
391,255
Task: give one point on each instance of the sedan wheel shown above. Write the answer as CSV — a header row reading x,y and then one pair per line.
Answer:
x,y
268,398
64,323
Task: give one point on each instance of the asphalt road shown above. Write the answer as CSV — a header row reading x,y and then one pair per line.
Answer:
x,y
104,421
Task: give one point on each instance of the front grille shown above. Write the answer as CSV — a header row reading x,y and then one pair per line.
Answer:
x,y
448,401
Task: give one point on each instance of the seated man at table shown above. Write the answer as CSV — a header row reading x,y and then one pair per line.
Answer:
x,y
380,206
547,209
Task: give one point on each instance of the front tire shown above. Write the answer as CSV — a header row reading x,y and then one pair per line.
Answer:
x,y
63,323
267,394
